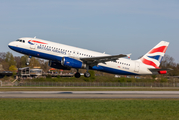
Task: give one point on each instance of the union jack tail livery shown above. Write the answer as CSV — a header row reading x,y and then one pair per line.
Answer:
x,y
154,57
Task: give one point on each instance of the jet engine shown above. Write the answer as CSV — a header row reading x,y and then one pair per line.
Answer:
x,y
71,62
57,65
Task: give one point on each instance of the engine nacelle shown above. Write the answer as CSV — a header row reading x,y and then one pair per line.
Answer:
x,y
71,62
57,65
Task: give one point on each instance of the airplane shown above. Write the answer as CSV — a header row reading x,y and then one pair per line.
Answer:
x,y
65,57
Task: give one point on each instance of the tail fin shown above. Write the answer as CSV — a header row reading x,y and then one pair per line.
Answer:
x,y
154,57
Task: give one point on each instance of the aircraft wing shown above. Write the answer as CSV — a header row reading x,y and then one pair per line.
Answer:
x,y
95,60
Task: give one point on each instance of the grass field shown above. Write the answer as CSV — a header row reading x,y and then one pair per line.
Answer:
x,y
89,109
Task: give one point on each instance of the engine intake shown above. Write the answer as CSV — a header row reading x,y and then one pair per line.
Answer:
x,y
71,62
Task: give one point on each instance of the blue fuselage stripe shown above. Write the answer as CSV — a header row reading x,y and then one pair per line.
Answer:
x,y
112,70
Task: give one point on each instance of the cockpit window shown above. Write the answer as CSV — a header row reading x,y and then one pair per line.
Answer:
x,y
20,40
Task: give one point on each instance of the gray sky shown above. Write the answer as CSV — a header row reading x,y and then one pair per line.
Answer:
x,y
111,26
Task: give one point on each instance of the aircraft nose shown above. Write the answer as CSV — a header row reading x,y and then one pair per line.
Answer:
x,y
10,45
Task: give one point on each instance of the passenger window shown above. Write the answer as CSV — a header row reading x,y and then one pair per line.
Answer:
x,y
23,41
20,40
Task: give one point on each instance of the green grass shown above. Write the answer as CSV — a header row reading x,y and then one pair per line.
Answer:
x,y
91,79
89,109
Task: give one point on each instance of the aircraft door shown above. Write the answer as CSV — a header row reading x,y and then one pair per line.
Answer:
x,y
33,46
137,67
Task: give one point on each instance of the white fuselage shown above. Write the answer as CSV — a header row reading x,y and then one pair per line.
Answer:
x,y
55,51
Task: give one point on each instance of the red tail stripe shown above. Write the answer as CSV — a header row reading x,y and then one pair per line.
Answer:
x,y
37,41
159,49
148,62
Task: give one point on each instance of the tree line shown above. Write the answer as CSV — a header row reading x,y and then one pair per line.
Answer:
x,y
168,62
11,63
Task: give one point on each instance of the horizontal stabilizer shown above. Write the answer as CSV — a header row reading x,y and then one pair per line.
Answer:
x,y
157,70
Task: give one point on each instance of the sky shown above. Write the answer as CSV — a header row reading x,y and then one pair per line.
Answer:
x,y
110,26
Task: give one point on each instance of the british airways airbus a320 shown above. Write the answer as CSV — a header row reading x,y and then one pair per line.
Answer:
x,y
65,57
